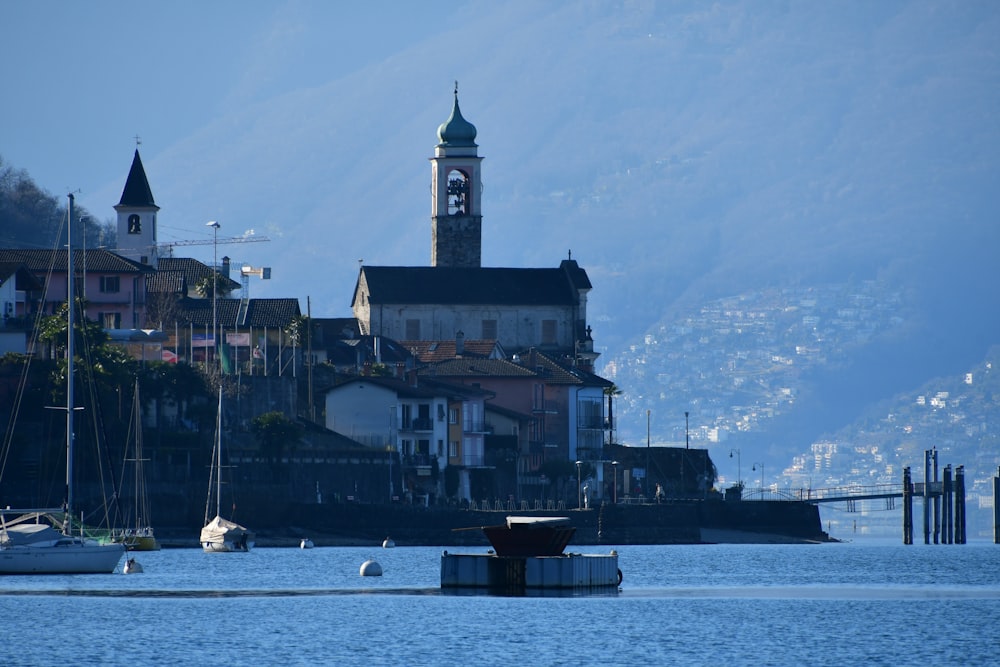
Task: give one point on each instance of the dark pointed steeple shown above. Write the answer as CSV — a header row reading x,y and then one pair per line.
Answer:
x,y
137,192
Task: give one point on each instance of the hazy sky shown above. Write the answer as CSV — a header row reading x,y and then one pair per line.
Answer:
x,y
672,145
82,79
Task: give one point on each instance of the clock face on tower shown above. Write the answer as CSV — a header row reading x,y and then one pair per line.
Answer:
x,y
134,224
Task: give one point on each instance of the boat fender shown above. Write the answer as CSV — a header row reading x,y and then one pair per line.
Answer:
x,y
619,576
371,568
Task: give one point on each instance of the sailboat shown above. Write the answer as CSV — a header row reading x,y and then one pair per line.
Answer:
x,y
139,535
221,535
37,541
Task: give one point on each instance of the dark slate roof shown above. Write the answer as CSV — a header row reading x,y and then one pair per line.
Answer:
x,y
530,364
137,192
576,275
471,285
330,329
97,261
557,373
274,313
192,269
361,350
166,282
400,387
455,391
271,312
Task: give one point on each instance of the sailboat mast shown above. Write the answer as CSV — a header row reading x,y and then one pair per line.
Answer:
x,y
69,367
218,469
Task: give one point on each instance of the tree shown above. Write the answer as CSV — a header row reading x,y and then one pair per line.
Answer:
x,y
274,432
611,392
214,282
99,361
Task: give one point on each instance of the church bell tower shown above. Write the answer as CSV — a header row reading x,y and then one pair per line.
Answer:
x,y
137,217
456,194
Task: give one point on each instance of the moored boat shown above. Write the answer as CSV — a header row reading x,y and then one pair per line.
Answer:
x,y
38,541
222,535
140,536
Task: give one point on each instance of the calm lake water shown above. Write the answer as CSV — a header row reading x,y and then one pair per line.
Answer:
x,y
870,603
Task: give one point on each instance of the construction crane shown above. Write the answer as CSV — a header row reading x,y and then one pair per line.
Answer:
x,y
264,273
247,238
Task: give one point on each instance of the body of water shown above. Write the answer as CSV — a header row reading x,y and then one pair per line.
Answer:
x,y
832,604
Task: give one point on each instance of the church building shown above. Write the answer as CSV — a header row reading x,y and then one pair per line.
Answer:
x,y
456,296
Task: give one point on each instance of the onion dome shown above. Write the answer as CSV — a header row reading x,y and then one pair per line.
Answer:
x,y
456,131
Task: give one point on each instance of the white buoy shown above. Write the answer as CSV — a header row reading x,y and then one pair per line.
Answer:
x,y
387,543
132,566
371,568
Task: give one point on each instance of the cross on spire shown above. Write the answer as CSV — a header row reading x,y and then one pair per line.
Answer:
x,y
138,141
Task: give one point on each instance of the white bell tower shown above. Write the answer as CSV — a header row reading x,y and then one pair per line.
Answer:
x,y
137,217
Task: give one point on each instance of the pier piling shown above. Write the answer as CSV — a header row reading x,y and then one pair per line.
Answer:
x,y
907,507
944,503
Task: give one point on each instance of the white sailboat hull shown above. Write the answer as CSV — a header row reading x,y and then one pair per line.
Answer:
x,y
74,557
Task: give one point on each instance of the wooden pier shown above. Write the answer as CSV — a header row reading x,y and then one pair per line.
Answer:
x,y
943,501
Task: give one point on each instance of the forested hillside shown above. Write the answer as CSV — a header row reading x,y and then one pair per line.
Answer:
x,y
32,217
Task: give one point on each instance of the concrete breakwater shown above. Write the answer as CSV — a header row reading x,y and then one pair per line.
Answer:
x,y
679,522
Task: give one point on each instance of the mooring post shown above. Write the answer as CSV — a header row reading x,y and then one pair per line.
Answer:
x,y
960,505
927,496
996,508
907,507
936,498
947,532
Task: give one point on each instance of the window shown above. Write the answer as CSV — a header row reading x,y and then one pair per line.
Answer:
x,y
549,332
110,320
453,449
110,284
412,329
452,415
489,329
590,413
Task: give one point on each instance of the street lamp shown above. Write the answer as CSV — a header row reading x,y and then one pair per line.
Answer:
x,y
647,452
761,475
614,495
687,437
579,486
739,472
215,283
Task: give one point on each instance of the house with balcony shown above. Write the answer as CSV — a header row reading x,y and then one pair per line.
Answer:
x,y
395,414
566,406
